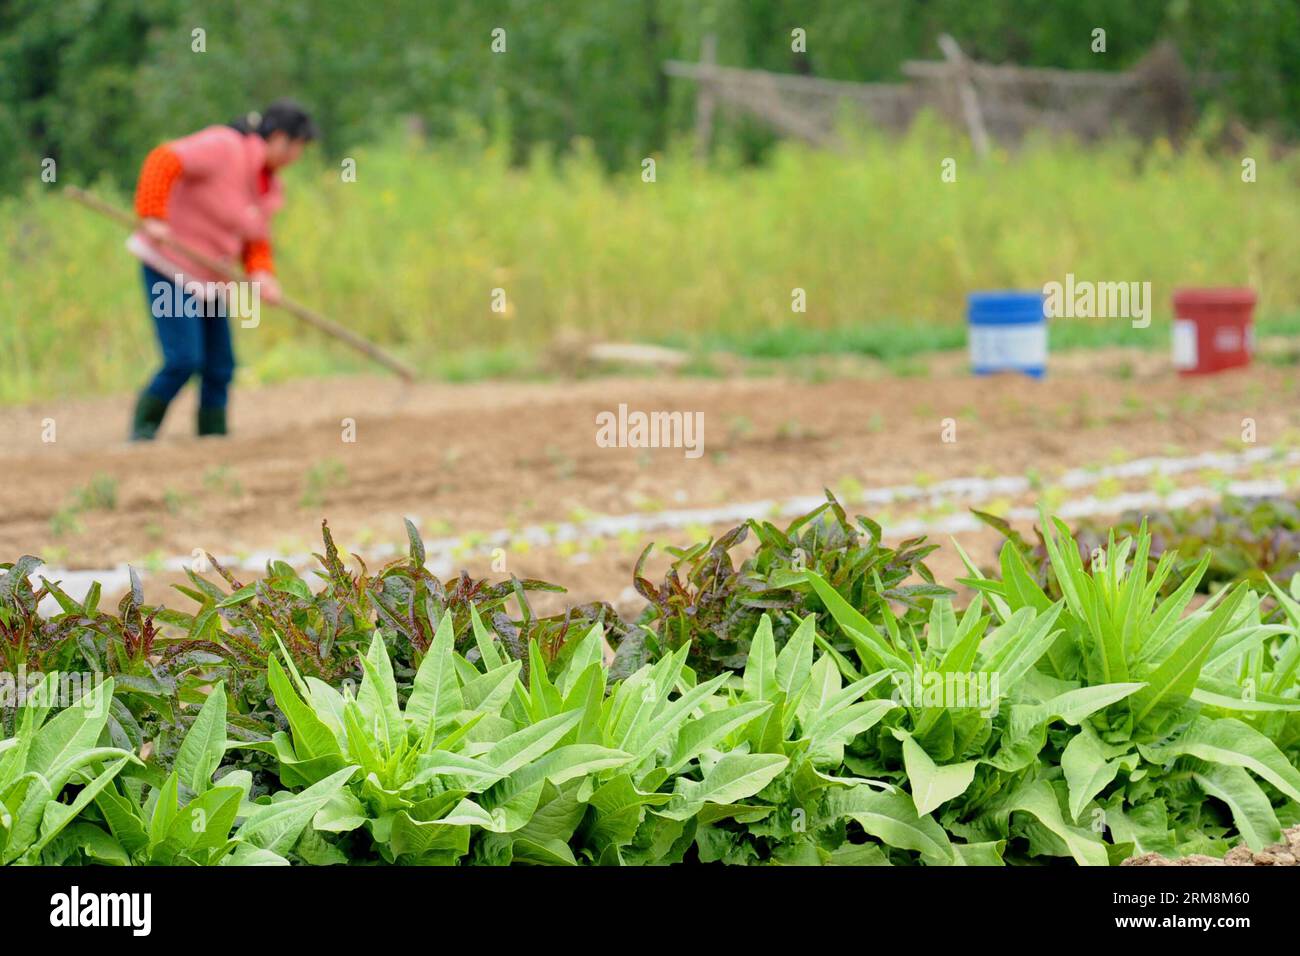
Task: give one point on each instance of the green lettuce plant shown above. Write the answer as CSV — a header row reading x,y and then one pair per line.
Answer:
x,y
184,818
1140,769
481,766
44,759
787,724
858,722
464,752
958,680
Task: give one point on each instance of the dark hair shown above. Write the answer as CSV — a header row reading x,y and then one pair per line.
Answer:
x,y
284,116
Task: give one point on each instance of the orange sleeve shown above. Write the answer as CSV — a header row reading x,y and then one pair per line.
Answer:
x,y
257,256
161,169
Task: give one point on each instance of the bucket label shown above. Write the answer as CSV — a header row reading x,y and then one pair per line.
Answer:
x,y
1227,338
1184,344
994,347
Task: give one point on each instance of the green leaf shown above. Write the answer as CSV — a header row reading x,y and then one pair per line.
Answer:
x,y
247,855
242,596
201,751
873,651
58,815
1229,697
838,726
760,668
124,820
204,823
311,736
427,839
703,733
69,733
932,785
1038,799
738,776
97,845
342,813
1173,680
567,763
483,640
733,778
1088,769
525,746
589,650
1251,810
488,693
673,715
377,696
1028,636
165,808
1145,826
620,807
435,693
979,854
794,662
892,819
543,852
1229,742
1074,706
276,826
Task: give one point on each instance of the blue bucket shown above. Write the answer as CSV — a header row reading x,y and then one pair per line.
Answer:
x,y
1008,333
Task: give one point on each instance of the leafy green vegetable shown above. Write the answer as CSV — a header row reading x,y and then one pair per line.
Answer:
x,y
860,720
45,758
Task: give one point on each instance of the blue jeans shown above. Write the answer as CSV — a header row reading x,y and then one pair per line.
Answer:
x,y
192,342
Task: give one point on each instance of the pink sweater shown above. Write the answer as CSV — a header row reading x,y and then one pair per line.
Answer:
x,y
216,204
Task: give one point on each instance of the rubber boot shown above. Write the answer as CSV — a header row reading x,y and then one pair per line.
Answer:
x,y
149,412
212,421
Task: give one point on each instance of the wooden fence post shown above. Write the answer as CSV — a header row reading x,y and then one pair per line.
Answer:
x,y
970,104
705,96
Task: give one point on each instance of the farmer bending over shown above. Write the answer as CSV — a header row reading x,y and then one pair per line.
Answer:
x,y
215,192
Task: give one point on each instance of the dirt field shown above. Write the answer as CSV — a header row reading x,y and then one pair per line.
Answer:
x,y
466,460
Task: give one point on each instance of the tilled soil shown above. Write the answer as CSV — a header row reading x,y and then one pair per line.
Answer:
x,y
463,459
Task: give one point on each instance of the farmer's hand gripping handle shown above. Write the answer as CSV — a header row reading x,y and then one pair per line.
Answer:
x,y
301,312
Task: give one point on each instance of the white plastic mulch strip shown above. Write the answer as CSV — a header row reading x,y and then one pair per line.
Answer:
x,y
1091,506
443,553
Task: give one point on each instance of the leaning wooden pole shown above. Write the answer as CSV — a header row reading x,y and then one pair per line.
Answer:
x,y
298,311
706,97
970,103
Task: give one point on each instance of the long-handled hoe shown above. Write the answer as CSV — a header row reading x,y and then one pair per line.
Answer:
x,y
300,312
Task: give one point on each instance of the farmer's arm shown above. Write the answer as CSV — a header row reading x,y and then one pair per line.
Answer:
x,y
261,267
161,169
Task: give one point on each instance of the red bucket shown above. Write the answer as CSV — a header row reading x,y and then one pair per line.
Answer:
x,y
1213,329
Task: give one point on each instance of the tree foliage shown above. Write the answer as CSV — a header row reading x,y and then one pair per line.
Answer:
x,y
94,84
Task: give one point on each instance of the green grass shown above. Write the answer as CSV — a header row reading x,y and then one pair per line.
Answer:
x,y
894,341
706,257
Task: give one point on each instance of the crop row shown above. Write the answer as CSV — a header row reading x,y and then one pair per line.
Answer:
x,y
820,701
